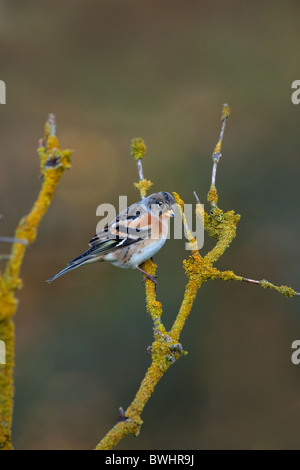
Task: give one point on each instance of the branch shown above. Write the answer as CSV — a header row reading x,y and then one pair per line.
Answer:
x,y
138,151
166,349
212,195
53,162
284,290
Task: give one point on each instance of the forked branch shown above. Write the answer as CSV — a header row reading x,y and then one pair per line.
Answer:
x,y
166,349
53,162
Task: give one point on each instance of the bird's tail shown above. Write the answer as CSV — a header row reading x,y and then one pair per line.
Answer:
x,y
86,257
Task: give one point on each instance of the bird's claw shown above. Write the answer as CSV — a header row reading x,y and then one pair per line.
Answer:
x,y
151,278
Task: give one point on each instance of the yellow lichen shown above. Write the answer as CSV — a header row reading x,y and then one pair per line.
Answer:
x,y
200,213
53,163
284,290
6,384
143,186
192,242
212,196
229,276
138,148
225,111
179,201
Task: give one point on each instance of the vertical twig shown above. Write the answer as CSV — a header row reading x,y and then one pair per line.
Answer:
x,y
212,195
53,162
138,151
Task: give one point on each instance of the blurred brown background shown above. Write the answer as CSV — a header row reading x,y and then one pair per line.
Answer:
x,y
112,70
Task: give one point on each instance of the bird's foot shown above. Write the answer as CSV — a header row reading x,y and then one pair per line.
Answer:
x,y
151,278
148,276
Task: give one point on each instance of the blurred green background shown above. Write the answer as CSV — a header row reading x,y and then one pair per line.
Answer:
x,y
112,70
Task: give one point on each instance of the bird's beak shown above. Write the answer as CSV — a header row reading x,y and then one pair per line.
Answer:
x,y
170,213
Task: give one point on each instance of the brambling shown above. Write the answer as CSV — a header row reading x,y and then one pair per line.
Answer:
x,y
133,237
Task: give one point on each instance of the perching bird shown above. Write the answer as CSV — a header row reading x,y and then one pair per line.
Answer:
x,y
134,236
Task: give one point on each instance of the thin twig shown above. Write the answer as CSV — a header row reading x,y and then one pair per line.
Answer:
x,y
252,281
52,123
13,240
2,257
140,169
138,150
284,290
217,152
197,198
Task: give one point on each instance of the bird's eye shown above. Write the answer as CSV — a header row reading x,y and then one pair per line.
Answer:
x,y
160,203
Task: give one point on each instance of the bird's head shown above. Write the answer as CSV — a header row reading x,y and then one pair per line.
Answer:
x,y
161,203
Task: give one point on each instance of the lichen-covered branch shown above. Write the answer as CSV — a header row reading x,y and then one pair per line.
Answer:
x,y
164,351
166,348
132,421
138,151
53,162
212,195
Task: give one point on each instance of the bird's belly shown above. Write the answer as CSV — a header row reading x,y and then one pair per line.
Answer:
x,y
147,252
134,255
